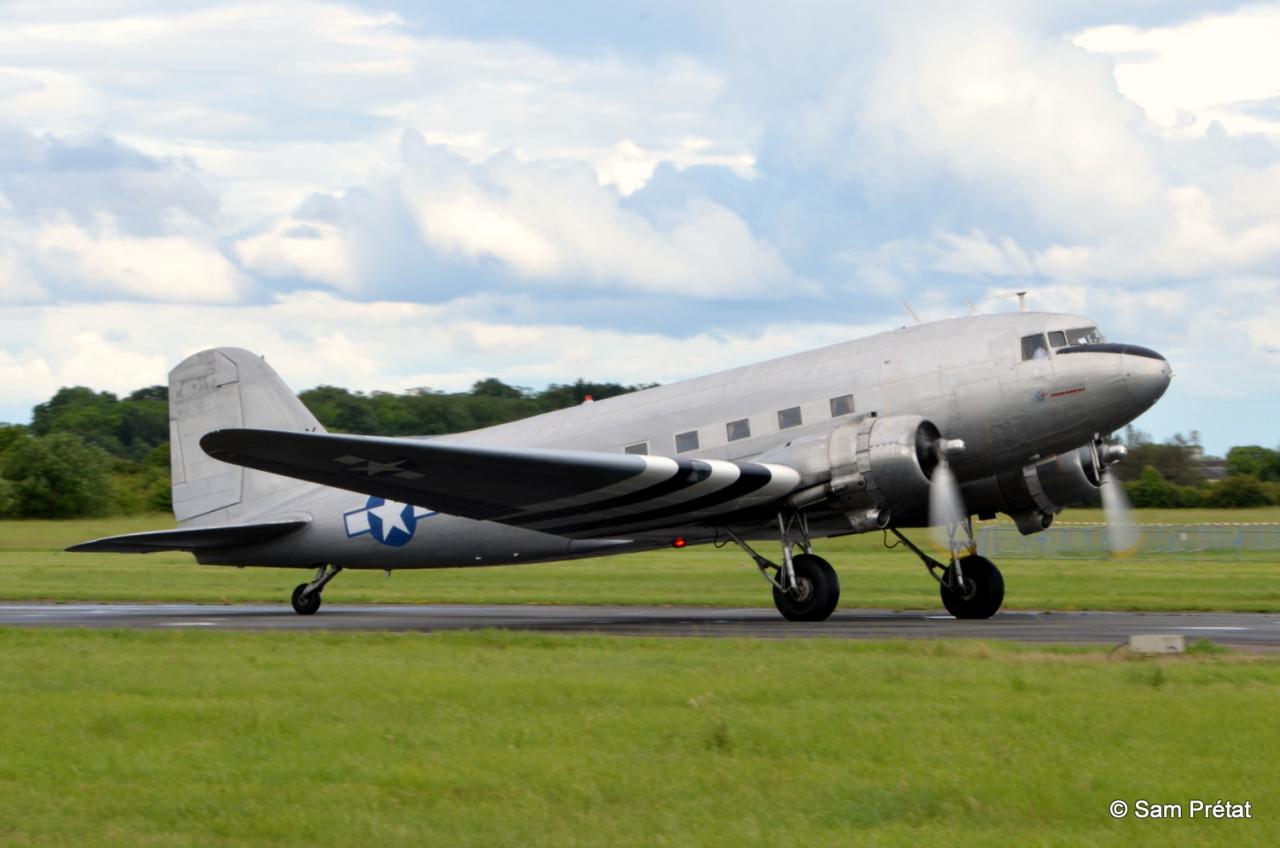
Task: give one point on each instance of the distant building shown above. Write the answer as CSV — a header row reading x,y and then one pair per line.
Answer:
x,y
1214,468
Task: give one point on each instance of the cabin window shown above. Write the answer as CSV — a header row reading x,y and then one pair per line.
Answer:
x,y
1034,347
1084,335
687,441
1057,339
842,405
740,429
638,447
789,418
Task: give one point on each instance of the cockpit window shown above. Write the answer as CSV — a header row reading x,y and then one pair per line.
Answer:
x,y
1057,339
1084,335
1034,347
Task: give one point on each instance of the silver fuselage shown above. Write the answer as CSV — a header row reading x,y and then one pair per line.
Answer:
x,y
966,375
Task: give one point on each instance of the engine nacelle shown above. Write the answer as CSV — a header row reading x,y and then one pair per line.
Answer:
x,y
867,468
1070,478
1035,493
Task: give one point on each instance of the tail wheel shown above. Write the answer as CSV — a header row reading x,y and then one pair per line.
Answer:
x,y
981,592
304,602
816,593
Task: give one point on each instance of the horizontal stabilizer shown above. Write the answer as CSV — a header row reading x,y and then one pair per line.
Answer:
x,y
192,538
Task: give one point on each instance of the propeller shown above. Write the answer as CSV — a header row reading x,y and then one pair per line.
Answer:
x,y
946,504
947,509
1122,533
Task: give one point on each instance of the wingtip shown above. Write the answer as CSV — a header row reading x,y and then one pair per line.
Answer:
x,y
209,442
91,546
230,434
215,441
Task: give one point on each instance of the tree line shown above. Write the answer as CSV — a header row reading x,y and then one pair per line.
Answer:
x,y
90,453
1173,474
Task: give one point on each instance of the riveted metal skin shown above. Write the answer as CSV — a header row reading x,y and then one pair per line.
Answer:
x,y
855,462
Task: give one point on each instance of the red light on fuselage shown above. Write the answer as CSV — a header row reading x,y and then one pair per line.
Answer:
x,y
678,542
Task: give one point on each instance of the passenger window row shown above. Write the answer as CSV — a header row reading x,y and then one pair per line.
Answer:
x,y
741,429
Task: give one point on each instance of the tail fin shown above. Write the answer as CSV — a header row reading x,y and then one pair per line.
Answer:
x,y
213,390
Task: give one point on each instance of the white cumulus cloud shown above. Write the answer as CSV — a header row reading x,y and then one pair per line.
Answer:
x,y
561,225
159,268
1220,68
314,250
313,338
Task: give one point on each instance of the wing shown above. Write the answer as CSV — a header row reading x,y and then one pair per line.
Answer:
x,y
579,494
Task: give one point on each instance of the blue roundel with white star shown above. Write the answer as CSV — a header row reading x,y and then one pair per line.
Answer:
x,y
388,522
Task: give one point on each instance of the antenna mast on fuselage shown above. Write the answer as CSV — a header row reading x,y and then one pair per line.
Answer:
x,y
1020,295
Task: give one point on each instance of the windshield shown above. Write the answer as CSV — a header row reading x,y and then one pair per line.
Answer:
x,y
1084,335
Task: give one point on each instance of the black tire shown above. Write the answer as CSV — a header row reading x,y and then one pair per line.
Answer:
x,y
984,589
304,602
818,590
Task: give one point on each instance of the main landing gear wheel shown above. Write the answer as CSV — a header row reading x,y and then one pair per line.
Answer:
x,y
816,592
805,586
304,602
981,591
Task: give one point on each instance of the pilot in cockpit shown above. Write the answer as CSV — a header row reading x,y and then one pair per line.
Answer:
x,y
1036,347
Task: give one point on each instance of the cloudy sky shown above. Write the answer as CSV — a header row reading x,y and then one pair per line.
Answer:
x,y
391,195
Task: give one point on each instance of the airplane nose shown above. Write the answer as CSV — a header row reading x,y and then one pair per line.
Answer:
x,y
1147,376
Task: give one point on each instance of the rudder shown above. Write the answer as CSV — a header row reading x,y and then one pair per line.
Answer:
x,y
217,389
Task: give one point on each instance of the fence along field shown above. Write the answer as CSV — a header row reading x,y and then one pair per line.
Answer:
x,y
1239,541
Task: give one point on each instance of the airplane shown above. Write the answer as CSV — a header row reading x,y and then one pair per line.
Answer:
x,y
926,425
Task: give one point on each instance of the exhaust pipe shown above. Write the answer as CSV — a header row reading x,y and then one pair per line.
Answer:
x,y
875,518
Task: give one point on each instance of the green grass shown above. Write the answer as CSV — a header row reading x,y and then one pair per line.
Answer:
x,y
220,739
33,567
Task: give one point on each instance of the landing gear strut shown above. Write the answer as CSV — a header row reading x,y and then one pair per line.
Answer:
x,y
306,596
805,586
971,586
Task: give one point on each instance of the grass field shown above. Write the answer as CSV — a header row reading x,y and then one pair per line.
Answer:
x,y
33,567
492,739
219,739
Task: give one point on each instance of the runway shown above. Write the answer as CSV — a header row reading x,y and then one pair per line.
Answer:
x,y
1255,630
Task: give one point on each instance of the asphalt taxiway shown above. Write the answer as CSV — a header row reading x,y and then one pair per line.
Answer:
x,y
1255,630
